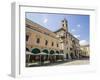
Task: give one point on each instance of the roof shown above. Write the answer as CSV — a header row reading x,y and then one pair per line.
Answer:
x,y
38,27
59,30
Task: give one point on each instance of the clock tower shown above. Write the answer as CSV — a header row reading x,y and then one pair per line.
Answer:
x,y
64,25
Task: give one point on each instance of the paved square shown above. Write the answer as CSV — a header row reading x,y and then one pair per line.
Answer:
x,y
76,62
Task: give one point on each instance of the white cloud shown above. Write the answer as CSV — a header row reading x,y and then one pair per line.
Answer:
x,y
83,42
45,20
73,30
78,25
77,36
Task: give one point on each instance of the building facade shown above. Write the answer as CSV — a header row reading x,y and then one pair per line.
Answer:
x,y
85,50
40,39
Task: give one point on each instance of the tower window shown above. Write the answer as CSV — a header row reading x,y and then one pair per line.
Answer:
x,y
62,24
38,40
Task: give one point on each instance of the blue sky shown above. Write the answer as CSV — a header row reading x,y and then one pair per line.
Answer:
x,y
78,25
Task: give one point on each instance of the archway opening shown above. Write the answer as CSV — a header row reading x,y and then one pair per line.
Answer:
x,y
67,57
72,55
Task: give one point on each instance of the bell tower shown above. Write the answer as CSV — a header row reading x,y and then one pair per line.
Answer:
x,y
64,24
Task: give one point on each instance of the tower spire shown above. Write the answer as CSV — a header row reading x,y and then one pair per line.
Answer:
x,y
64,24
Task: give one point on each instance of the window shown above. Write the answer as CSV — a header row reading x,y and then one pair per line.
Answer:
x,y
52,43
27,37
46,42
62,24
57,45
38,40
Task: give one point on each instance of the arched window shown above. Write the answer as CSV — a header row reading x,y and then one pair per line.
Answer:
x,y
57,45
46,42
63,25
52,43
38,40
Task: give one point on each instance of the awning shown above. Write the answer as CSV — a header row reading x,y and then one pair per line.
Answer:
x,y
61,54
55,54
29,53
42,53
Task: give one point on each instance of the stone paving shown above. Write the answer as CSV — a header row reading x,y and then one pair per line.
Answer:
x,y
65,63
76,62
